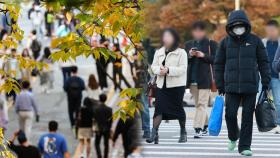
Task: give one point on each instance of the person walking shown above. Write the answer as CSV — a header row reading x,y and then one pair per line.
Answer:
x,y
117,65
46,76
26,73
49,22
24,149
3,113
74,87
12,67
276,61
37,20
52,144
170,65
200,74
239,59
34,44
272,42
101,66
26,107
142,77
93,89
103,117
84,125
128,130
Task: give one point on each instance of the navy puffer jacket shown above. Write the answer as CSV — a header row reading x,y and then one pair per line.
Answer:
x,y
240,59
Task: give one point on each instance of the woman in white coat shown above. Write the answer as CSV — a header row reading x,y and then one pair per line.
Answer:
x,y
170,65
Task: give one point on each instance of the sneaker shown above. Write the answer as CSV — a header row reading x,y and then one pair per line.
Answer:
x,y
277,130
204,132
198,134
247,153
231,145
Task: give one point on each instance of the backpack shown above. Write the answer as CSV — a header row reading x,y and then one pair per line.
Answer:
x,y
74,88
35,46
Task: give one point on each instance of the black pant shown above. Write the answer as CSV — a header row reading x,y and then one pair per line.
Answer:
x,y
74,105
106,136
49,27
102,76
247,101
117,71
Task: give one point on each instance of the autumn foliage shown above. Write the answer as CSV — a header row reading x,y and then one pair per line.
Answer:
x,y
180,14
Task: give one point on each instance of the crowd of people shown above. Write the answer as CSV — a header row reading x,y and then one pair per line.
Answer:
x,y
90,117
240,66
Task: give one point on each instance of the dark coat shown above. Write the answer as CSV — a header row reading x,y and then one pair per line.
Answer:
x,y
276,61
203,70
102,114
128,130
239,59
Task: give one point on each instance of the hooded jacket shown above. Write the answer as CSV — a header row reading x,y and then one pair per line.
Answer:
x,y
240,59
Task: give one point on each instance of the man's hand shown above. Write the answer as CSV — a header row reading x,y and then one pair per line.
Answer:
x,y
192,52
199,54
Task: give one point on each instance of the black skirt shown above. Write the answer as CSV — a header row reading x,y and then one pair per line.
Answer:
x,y
169,103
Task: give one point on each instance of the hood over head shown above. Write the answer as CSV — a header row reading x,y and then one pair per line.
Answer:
x,y
238,17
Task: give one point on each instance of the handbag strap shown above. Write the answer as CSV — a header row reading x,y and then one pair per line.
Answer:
x,y
211,69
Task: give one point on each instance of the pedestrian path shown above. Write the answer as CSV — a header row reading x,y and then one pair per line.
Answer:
x,y
263,145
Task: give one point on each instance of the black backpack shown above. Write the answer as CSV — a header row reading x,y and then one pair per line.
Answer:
x,y
74,88
35,46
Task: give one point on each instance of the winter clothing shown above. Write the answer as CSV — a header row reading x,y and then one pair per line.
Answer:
x,y
238,58
237,62
128,130
233,101
73,87
276,61
103,116
199,68
177,63
169,103
271,47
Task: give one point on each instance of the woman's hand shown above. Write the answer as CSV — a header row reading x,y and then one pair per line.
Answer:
x,y
163,70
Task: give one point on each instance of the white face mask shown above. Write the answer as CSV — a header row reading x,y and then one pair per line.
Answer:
x,y
239,30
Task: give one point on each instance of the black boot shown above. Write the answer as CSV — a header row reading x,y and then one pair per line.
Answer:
x,y
154,137
183,136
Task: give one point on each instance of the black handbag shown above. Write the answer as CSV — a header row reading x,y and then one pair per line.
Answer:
x,y
266,115
152,86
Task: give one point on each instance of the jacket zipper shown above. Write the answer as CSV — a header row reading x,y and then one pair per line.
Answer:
x,y
239,90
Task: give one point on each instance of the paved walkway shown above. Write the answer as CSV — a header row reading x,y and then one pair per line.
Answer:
x,y
264,145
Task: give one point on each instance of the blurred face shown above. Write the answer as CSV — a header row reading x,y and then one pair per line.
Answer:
x,y
272,32
168,39
198,34
14,53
